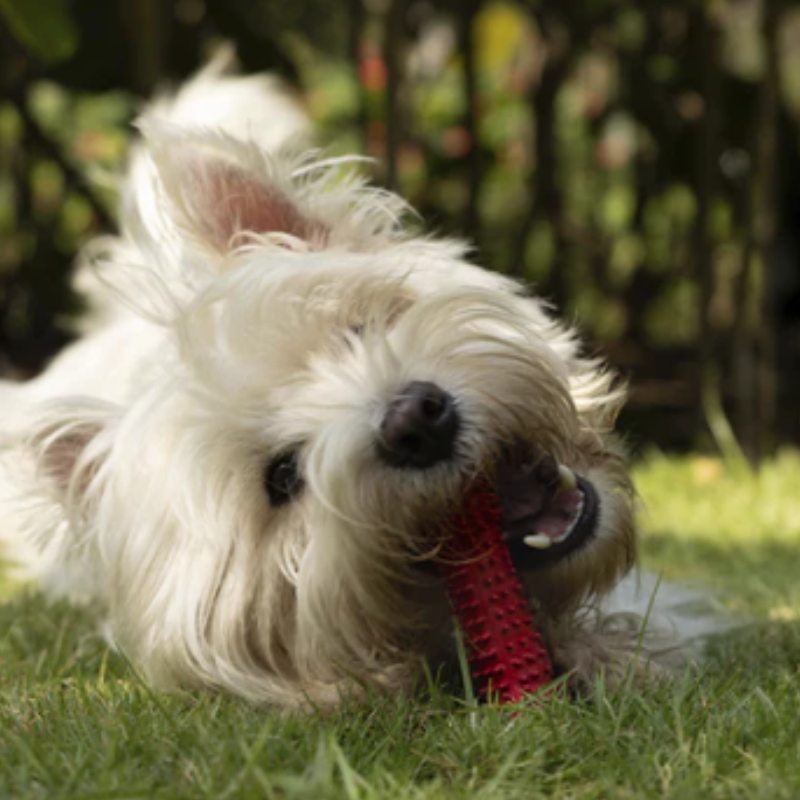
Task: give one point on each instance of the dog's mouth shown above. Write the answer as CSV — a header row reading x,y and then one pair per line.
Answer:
x,y
548,512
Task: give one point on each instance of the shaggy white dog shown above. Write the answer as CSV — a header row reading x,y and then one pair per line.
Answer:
x,y
280,395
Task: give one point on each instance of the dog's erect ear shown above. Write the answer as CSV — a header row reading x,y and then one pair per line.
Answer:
x,y
218,201
222,202
226,202
195,196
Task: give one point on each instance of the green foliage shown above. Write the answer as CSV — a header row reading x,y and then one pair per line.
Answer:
x,y
45,27
617,208
672,315
540,252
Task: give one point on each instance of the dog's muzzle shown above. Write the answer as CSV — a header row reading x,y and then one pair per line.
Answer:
x,y
548,512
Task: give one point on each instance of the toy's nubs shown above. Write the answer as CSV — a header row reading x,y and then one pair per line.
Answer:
x,y
508,658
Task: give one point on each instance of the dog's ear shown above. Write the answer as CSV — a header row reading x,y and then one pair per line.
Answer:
x,y
219,201
226,202
196,196
69,446
59,460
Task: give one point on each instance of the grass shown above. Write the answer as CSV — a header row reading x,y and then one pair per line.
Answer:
x,y
75,721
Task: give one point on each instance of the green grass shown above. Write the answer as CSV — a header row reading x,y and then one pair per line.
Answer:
x,y
75,721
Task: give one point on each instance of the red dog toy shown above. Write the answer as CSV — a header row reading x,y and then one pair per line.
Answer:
x,y
506,653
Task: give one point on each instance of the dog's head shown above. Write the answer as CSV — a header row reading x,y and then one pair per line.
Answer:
x,y
320,391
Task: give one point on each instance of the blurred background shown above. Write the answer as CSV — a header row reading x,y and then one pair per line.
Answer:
x,y
637,162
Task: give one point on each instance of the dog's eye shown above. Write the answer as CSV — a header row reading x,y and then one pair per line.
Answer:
x,y
282,479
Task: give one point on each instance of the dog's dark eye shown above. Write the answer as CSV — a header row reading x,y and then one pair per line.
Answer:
x,y
282,478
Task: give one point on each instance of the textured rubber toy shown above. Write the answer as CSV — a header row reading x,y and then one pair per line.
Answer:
x,y
508,658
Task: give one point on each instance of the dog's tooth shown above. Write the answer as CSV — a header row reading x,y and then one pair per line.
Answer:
x,y
539,542
566,478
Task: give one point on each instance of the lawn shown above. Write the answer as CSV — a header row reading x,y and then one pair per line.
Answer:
x,y
75,722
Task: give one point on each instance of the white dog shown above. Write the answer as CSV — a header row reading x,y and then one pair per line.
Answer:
x,y
280,396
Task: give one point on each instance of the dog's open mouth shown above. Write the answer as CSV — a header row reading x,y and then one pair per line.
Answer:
x,y
548,512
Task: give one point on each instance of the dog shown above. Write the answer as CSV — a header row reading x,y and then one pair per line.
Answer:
x,y
280,393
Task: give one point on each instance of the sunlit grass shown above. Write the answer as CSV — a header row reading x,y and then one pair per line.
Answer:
x,y
76,722
731,530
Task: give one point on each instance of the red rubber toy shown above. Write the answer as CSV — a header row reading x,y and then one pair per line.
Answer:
x,y
507,656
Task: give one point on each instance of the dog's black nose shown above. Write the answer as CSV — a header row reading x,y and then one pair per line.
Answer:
x,y
420,427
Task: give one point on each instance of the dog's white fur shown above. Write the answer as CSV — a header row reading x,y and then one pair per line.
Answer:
x,y
257,302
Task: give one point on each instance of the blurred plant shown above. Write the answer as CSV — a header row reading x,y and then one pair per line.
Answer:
x,y
621,157
44,27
